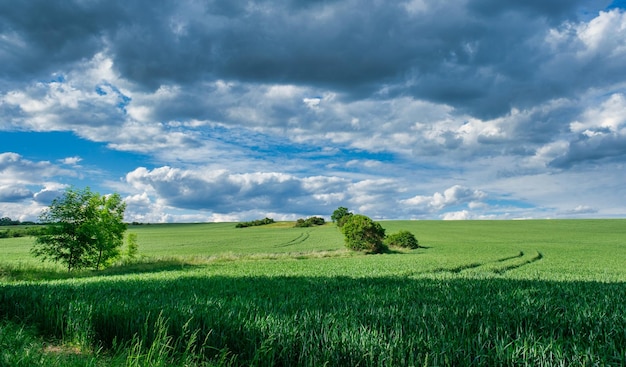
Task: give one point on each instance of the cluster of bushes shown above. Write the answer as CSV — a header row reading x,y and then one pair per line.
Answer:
x,y
257,222
363,234
310,222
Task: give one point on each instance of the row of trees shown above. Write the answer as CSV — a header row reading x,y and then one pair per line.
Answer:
x,y
6,221
254,223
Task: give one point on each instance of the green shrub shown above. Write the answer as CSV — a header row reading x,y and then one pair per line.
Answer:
x,y
310,222
363,234
403,238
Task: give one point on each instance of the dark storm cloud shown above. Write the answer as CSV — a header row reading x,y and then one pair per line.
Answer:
x,y
39,37
606,146
481,56
554,9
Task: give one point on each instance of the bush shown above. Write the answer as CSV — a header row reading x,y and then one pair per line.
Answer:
x,y
403,238
363,234
310,222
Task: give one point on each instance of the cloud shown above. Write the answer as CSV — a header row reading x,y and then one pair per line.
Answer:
x,y
10,194
453,196
15,169
240,107
50,192
71,161
581,210
325,45
460,215
599,133
222,191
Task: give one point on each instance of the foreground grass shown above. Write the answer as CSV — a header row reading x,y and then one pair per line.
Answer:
x,y
287,320
480,293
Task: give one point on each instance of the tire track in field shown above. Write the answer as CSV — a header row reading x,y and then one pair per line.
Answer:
x,y
301,238
460,268
504,269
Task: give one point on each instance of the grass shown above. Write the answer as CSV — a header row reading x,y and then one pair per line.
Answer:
x,y
479,293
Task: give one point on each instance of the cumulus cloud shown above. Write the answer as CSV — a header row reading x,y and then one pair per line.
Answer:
x,y
72,161
16,169
14,193
222,191
453,196
460,215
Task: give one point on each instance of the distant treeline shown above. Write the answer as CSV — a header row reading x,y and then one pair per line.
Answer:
x,y
6,221
258,222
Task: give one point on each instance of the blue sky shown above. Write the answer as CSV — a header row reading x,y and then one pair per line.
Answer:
x,y
226,111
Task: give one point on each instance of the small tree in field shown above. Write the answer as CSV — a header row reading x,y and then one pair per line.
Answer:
x,y
403,238
83,229
340,215
363,234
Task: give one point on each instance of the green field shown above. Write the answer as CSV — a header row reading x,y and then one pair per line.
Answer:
x,y
546,292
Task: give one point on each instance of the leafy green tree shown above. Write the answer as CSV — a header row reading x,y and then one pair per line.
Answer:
x,y
84,229
340,215
402,239
361,233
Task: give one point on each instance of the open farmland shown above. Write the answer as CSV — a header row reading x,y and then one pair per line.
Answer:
x,y
478,293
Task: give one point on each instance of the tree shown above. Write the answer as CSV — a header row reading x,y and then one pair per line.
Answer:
x,y
84,229
340,215
362,233
402,239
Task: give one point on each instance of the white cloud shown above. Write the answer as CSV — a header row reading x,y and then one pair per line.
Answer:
x,y
460,215
604,35
72,161
455,195
15,169
609,115
312,103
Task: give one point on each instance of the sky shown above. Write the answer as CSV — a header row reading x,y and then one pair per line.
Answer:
x,y
219,110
